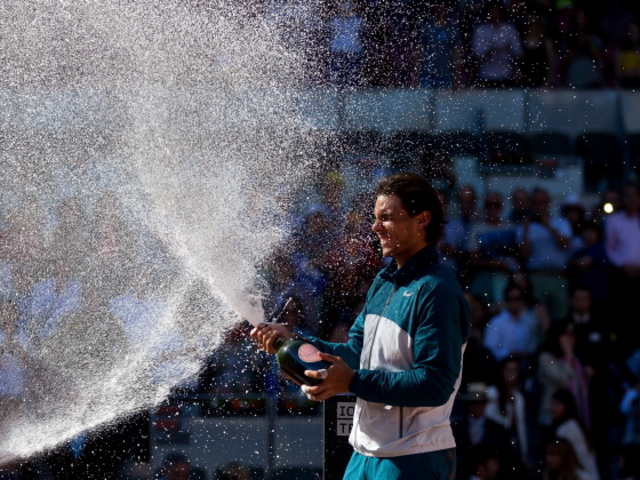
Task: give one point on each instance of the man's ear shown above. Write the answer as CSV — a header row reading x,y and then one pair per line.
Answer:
x,y
424,218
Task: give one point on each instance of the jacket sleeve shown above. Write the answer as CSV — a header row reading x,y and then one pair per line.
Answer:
x,y
441,327
349,351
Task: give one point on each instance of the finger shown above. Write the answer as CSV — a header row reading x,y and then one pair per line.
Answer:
x,y
319,374
330,358
257,330
312,393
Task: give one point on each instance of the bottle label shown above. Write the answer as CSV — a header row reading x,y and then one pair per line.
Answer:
x,y
309,353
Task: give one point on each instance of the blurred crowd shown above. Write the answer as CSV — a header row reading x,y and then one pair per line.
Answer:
x,y
468,43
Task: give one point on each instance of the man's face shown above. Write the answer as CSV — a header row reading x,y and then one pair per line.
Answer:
x,y
515,302
540,203
493,208
401,236
581,301
630,198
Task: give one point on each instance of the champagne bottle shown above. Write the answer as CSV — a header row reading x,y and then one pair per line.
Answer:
x,y
297,355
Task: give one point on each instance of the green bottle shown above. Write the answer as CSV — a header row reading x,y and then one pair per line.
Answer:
x,y
297,355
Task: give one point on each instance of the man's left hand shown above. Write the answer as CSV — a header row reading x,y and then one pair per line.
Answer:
x,y
335,379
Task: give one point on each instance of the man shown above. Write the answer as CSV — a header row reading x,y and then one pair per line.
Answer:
x,y
516,330
403,359
455,242
493,250
543,247
496,46
622,244
472,427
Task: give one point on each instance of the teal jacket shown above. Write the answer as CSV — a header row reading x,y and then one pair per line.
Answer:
x,y
406,347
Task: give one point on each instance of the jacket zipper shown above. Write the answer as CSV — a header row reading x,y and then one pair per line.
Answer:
x,y
388,301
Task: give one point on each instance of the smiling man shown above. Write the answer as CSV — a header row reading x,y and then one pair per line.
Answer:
x,y
403,359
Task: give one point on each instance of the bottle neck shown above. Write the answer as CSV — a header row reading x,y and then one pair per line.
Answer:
x,y
278,342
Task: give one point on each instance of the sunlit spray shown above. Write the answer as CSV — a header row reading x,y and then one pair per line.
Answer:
x,y
164,128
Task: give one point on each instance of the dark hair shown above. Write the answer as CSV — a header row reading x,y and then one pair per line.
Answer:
x,y
570,463
566,398
478,456
416,195
514,286
551,342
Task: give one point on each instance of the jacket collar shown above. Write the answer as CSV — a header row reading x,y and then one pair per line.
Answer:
x,y
413,268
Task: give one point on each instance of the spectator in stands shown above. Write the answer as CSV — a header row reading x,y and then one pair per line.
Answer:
x,y
582,60
568,426
520,205
345,45
561,463
441,48
516,331
594,350
558,368
622,243
543,246
482,463
592,337
479,363
575,212
628,58
473,429
507,406
538,65
453,234
493,250
521,279
588,266
497,47
457,231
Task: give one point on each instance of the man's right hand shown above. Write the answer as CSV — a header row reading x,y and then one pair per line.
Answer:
x,y
266,333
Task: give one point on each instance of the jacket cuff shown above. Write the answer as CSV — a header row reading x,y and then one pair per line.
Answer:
x,y
356,383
